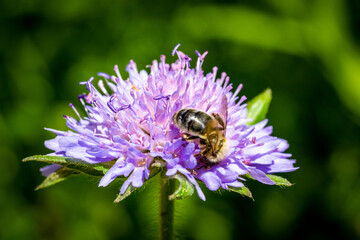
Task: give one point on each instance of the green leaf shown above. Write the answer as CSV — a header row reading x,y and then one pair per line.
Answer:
x,y
259,106
244,191
280,181
98,169
127,193
185,189
56,177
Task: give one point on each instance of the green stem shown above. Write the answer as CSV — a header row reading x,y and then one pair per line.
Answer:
x,y
167,187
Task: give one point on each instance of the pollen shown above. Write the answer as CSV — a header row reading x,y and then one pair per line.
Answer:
x,y
89,98
141,163
135,88
116,116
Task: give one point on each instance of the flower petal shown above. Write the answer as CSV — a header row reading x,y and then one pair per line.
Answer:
x,y
260,176
210,179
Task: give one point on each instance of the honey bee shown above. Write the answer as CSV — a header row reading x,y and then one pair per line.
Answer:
x,y
210,129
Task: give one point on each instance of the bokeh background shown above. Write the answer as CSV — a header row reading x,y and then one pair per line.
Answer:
x,y
306,51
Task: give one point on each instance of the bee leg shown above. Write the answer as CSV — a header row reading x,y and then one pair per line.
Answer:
x,y
202,152
189,138
219,119
208,167
199,155
205,150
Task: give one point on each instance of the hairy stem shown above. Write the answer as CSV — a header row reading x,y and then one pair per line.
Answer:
x,y
167,187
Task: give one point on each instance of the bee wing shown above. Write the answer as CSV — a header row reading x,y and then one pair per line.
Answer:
x,y
222,115
223,111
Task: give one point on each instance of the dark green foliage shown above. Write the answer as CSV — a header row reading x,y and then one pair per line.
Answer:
x,y
305,51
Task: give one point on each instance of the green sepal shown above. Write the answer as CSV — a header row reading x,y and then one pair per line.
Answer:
x,y
127,193
154,170
244,191
56,177
259,106
184,190
156,167
280,181
248,176
76,164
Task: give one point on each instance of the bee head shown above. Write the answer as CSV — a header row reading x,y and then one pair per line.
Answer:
x,y
216,140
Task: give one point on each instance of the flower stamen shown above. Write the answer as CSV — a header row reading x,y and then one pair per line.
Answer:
x,y
113,108
167,97
75,110
175,49
88,83
104,75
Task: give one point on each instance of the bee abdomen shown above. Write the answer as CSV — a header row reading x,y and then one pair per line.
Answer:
x,y
191,120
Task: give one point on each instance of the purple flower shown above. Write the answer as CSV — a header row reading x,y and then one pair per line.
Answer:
x,y
133,125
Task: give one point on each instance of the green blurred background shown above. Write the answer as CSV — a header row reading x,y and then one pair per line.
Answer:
x,y
306,51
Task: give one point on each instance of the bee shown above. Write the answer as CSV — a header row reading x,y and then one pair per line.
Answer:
x,y
210,129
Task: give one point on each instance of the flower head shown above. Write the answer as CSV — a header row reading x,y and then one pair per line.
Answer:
x,y
133,125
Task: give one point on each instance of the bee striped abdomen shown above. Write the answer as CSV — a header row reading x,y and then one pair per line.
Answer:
x,y
191,121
